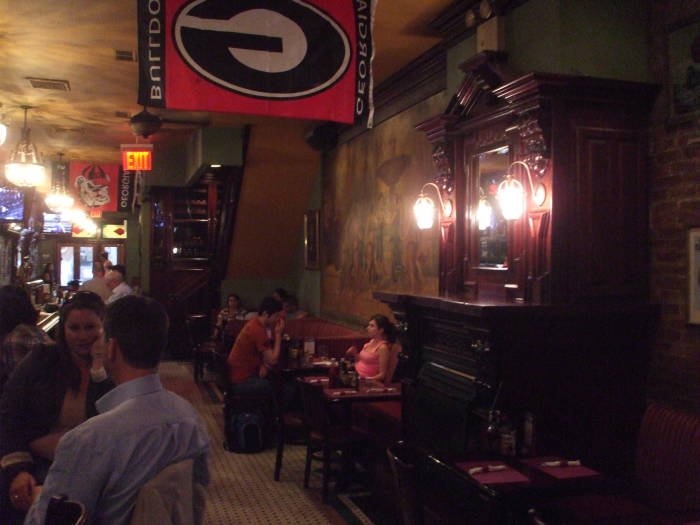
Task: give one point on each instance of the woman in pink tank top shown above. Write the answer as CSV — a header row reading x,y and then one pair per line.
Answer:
x,y
373,360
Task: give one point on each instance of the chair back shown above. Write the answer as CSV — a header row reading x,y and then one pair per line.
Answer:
x,y
62,511
394,351
314,408
403,468
172,497
667,465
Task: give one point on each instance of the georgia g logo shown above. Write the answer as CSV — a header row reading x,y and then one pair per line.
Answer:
x,y
260,48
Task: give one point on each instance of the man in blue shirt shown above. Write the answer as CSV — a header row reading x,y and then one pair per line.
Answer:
x,y
141,427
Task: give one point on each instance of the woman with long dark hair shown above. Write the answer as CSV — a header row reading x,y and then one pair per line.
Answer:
x,y
50,392
374,359
19,333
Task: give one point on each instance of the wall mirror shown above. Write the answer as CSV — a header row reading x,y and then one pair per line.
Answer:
x,y
491,168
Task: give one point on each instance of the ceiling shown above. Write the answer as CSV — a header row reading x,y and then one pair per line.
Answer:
x,y
76,41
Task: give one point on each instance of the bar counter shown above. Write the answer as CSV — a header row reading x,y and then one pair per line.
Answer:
x,y
47,321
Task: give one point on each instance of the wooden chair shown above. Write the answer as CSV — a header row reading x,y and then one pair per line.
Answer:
x,y
173,496
403,469
394,350
204,351
286,423
324,437
62,511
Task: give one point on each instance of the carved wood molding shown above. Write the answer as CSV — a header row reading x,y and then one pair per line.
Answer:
x,y
534,130
490,137
442,160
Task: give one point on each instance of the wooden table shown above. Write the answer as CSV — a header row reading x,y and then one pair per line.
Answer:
x,y
505,496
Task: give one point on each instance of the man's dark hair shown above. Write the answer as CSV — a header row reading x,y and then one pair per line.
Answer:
x,y
15,308
269,305
140,326
119,268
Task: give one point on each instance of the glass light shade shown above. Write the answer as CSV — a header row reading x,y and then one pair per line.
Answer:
x,y
88,225
25,174
484,214
424,210
59,201
511,197
74,215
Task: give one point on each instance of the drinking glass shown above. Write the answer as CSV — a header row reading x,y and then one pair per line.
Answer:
x,y
323,351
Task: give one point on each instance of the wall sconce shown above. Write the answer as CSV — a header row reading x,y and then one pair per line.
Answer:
x,y
424,208
511,193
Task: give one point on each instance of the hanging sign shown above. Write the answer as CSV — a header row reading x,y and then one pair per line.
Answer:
x,y
126,191
83,232
94,186
137,157
291,58
114,231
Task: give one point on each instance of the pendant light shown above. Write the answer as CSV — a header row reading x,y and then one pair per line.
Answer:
x,y
24,168
58,201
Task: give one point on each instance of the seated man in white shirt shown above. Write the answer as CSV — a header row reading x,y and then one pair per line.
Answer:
x,y
115,278
140,430
98,283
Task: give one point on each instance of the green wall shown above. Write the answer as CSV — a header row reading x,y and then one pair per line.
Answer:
x,y
573,37
305,284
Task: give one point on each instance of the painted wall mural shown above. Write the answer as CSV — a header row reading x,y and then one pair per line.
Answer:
x,y
369,237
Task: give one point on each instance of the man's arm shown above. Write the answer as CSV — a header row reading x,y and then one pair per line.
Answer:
x,y
77,472
272,355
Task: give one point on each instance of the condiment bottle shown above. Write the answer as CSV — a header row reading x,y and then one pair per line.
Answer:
x,y
334,374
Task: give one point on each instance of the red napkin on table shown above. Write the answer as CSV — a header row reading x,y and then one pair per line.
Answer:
x,y
343,392
492,472
319,379
564,470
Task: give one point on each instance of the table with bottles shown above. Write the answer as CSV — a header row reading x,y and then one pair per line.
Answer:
x,y
366,390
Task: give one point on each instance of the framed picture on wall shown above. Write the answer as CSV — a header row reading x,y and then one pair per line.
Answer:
x,y
684,70
694,276
311,240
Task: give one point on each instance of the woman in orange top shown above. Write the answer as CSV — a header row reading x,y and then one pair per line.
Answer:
x,y
373,360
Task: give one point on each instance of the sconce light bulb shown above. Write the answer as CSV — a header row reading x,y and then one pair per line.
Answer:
x,y
511,197
484,214
424,210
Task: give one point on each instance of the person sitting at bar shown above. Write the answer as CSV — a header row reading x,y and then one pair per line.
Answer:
x,y
19,333
232,310
115,279
47,274
374,359
292,310
280,294
253,353
142,428
98,283
51,391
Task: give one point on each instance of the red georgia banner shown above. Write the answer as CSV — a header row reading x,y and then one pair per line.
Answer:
x,y
291,58
94,186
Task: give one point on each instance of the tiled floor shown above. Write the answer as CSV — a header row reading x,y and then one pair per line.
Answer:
x,y
242,488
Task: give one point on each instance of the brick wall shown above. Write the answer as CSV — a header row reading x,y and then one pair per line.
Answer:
x,y
675,207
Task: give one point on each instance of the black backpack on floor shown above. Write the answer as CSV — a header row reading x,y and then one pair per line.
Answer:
x,y
245,432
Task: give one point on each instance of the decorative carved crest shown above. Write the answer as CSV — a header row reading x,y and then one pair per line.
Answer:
x,y
442,159
534,132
